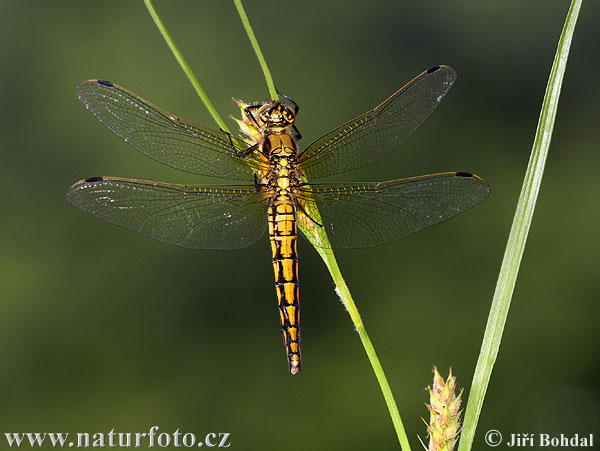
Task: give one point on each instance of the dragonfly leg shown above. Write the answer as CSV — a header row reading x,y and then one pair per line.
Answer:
x,y
230,138
248,151
249,111
303,210
289,99
297,134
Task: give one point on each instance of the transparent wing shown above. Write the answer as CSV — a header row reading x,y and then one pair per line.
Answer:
x,y
192,216
357,215
162,136
369,137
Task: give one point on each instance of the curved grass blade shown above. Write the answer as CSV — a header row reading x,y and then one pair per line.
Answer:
x,y
518,233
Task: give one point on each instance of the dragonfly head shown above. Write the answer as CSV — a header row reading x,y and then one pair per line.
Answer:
x,y
275,116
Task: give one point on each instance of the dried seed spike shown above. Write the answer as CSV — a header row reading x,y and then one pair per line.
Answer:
x,y
444,410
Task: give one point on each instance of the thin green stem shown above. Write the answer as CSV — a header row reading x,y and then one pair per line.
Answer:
x,y
343,292
255,46
314,236
518,233
319,236
185,67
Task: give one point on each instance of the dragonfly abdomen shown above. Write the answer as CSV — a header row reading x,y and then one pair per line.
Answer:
x,y
283,235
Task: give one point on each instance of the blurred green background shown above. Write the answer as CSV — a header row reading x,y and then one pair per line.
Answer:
x,y
102,328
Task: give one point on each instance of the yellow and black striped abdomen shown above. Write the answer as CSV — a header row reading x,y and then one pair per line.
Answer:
x,y
283,235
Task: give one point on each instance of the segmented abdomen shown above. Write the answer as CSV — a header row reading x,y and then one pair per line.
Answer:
x,y
284,246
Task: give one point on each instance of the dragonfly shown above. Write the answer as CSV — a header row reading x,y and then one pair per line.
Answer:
x,y
279,193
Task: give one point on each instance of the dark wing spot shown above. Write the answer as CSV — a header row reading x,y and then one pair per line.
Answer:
x,y
463,174
105,83
94,179
433,69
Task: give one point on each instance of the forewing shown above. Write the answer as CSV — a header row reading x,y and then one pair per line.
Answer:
x,y
369,137
357,215
192,216
162,136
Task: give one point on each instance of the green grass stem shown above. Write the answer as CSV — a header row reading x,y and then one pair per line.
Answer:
x,y
185,67
314,236
344,294
518,233
324,250
256,47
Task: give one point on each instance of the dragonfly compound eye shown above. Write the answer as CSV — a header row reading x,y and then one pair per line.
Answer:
x,y
288,115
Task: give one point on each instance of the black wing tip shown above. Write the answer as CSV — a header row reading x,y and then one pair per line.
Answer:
x,y
84,86
81,184
93,179
451,73
468,175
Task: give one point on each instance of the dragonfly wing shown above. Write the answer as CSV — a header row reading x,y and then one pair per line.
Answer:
x,y
162,136
369,137
357,215
192,216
